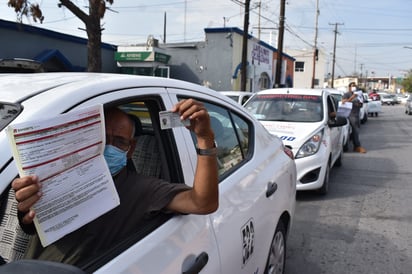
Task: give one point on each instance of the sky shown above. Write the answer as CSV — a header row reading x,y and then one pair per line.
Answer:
x,y
374,37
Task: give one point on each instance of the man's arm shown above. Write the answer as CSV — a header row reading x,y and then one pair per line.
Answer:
x,y
203,198
350,98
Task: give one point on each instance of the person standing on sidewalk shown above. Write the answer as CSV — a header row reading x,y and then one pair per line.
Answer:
x,y
352,96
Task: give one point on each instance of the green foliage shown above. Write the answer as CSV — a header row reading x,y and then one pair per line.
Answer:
x,y
407,82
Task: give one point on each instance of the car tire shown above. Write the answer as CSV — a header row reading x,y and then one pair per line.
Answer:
x,y
276,261
364,119
346,145
325,186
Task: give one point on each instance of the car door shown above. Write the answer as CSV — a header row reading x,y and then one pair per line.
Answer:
x,y
336,133
184,242
248,212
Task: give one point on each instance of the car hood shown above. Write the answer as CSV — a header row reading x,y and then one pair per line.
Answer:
x,y
293,134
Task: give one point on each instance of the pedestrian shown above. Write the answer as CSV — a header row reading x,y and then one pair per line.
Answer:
x,y
352,95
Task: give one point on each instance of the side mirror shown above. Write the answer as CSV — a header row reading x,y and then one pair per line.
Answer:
x,y
337,121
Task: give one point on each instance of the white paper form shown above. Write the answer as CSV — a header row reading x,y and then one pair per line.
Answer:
x,y
66,153
344,109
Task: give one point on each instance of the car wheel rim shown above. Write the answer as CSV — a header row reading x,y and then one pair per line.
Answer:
x,y
277,255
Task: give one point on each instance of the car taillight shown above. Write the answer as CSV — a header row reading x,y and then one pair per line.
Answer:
x,y
288,152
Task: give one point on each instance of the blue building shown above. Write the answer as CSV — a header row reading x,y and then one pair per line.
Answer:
x,y
53,51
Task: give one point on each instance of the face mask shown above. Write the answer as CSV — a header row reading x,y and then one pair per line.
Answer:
x,y
115,158
353,88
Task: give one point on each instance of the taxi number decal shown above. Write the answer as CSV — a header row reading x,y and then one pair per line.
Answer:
x,y
287,138
248,241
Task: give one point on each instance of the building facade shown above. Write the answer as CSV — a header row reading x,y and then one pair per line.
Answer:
x,y
55,51
215,62
303,68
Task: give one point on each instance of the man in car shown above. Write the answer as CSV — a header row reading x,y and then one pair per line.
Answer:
x,y
141,198
352,96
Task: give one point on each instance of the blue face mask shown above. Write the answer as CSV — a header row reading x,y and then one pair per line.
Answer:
x,y
115,157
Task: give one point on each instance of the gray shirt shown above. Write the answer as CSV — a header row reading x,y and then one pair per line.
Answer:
x,y
356,104
141,198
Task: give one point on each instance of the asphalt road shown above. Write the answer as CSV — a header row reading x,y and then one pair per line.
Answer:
x,y
364,224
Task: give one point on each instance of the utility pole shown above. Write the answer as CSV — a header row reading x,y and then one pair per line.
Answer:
x,y
184,30
259,28
243,69
334,51
280,44
361,75
164,29
315,49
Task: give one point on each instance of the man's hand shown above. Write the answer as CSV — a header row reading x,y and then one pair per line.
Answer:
x,y
27,192
198,115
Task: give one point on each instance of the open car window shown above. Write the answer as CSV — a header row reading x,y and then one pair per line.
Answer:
x,y
155,154
233,138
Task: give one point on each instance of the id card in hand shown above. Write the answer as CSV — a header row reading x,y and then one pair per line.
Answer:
x,y
170,119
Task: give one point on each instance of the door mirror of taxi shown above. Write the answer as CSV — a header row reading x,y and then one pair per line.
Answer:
x,y
337,122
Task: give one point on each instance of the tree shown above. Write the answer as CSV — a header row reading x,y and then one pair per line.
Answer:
x,y
407,82
97,9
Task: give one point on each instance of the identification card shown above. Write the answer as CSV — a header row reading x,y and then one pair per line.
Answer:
x,y
170,119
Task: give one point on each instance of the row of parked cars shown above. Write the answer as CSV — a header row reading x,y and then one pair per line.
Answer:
x,y
302,119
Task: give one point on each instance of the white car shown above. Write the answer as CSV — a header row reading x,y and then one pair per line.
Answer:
x,y
386,99
239,96
364,110
304,120
374,105
257,175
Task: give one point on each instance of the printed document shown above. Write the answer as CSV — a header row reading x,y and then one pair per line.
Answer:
x,y
66,153
344,109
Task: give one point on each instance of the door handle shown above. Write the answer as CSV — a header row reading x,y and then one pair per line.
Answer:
x,y
272,187
198,265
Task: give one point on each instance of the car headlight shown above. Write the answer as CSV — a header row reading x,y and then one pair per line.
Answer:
x,y
311,146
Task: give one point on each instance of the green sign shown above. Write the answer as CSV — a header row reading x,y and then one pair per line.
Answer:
x,y
162,58
142,56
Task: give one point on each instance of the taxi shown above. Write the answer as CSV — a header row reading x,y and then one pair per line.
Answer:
x,y
306,121
247,233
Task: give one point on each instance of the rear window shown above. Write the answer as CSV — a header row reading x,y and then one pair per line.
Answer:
x,y
8,112
286,107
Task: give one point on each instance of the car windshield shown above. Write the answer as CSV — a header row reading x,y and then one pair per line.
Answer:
x,y
286,107
8,112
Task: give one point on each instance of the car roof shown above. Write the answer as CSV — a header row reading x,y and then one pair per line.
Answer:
x,y
236,92
16,88
335,91
300,91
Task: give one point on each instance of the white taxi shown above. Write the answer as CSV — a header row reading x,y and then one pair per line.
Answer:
x,y
248,232
239,96
305,120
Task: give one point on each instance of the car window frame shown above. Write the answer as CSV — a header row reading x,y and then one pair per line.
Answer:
x,y
230,111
